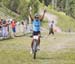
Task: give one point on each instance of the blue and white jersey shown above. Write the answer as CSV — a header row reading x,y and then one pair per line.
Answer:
x,y
36,25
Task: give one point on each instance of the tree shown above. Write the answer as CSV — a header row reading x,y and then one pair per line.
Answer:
x,y
72,8
34,5
23,8
54,4
14,5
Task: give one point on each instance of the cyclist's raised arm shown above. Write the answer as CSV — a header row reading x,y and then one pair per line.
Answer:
x,y
32,18
41,17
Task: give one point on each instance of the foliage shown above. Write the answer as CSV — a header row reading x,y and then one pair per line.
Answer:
x,y
21,7
67,6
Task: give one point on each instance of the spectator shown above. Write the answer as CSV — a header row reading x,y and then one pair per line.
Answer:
x,y
13,25
0,28
24,25
51,27
4,28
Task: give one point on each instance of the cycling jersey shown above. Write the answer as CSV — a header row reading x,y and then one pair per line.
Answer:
x,y
36,25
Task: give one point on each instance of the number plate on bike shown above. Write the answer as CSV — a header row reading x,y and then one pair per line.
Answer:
x,y
35,37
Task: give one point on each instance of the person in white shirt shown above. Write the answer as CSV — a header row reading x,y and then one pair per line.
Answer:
x,y
51,27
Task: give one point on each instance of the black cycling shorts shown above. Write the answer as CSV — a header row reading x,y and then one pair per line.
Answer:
x,y
36,33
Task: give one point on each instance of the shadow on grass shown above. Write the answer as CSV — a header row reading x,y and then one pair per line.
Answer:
x,y
54,58
23,35
6,39
43,58
20,35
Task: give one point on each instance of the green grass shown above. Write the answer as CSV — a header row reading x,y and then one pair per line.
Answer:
x,y
17,50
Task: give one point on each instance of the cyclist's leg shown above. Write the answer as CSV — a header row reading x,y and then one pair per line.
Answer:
x,y
32,43
38,41
32,39
31,46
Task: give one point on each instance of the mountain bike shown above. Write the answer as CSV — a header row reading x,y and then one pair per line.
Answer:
x,y
35,44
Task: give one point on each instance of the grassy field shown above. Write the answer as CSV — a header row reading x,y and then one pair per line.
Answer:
x,y
58,49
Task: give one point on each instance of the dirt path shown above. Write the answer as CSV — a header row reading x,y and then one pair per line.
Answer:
x,y
49,16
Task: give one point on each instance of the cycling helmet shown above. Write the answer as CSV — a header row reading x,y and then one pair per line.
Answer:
x,y
36,15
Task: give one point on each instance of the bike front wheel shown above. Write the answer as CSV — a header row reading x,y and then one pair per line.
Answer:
x,y
34,48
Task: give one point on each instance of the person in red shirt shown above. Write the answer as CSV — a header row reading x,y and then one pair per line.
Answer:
x,y
0,28
0,24
13,25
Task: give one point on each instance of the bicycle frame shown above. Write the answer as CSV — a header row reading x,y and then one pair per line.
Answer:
x,y
35,43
